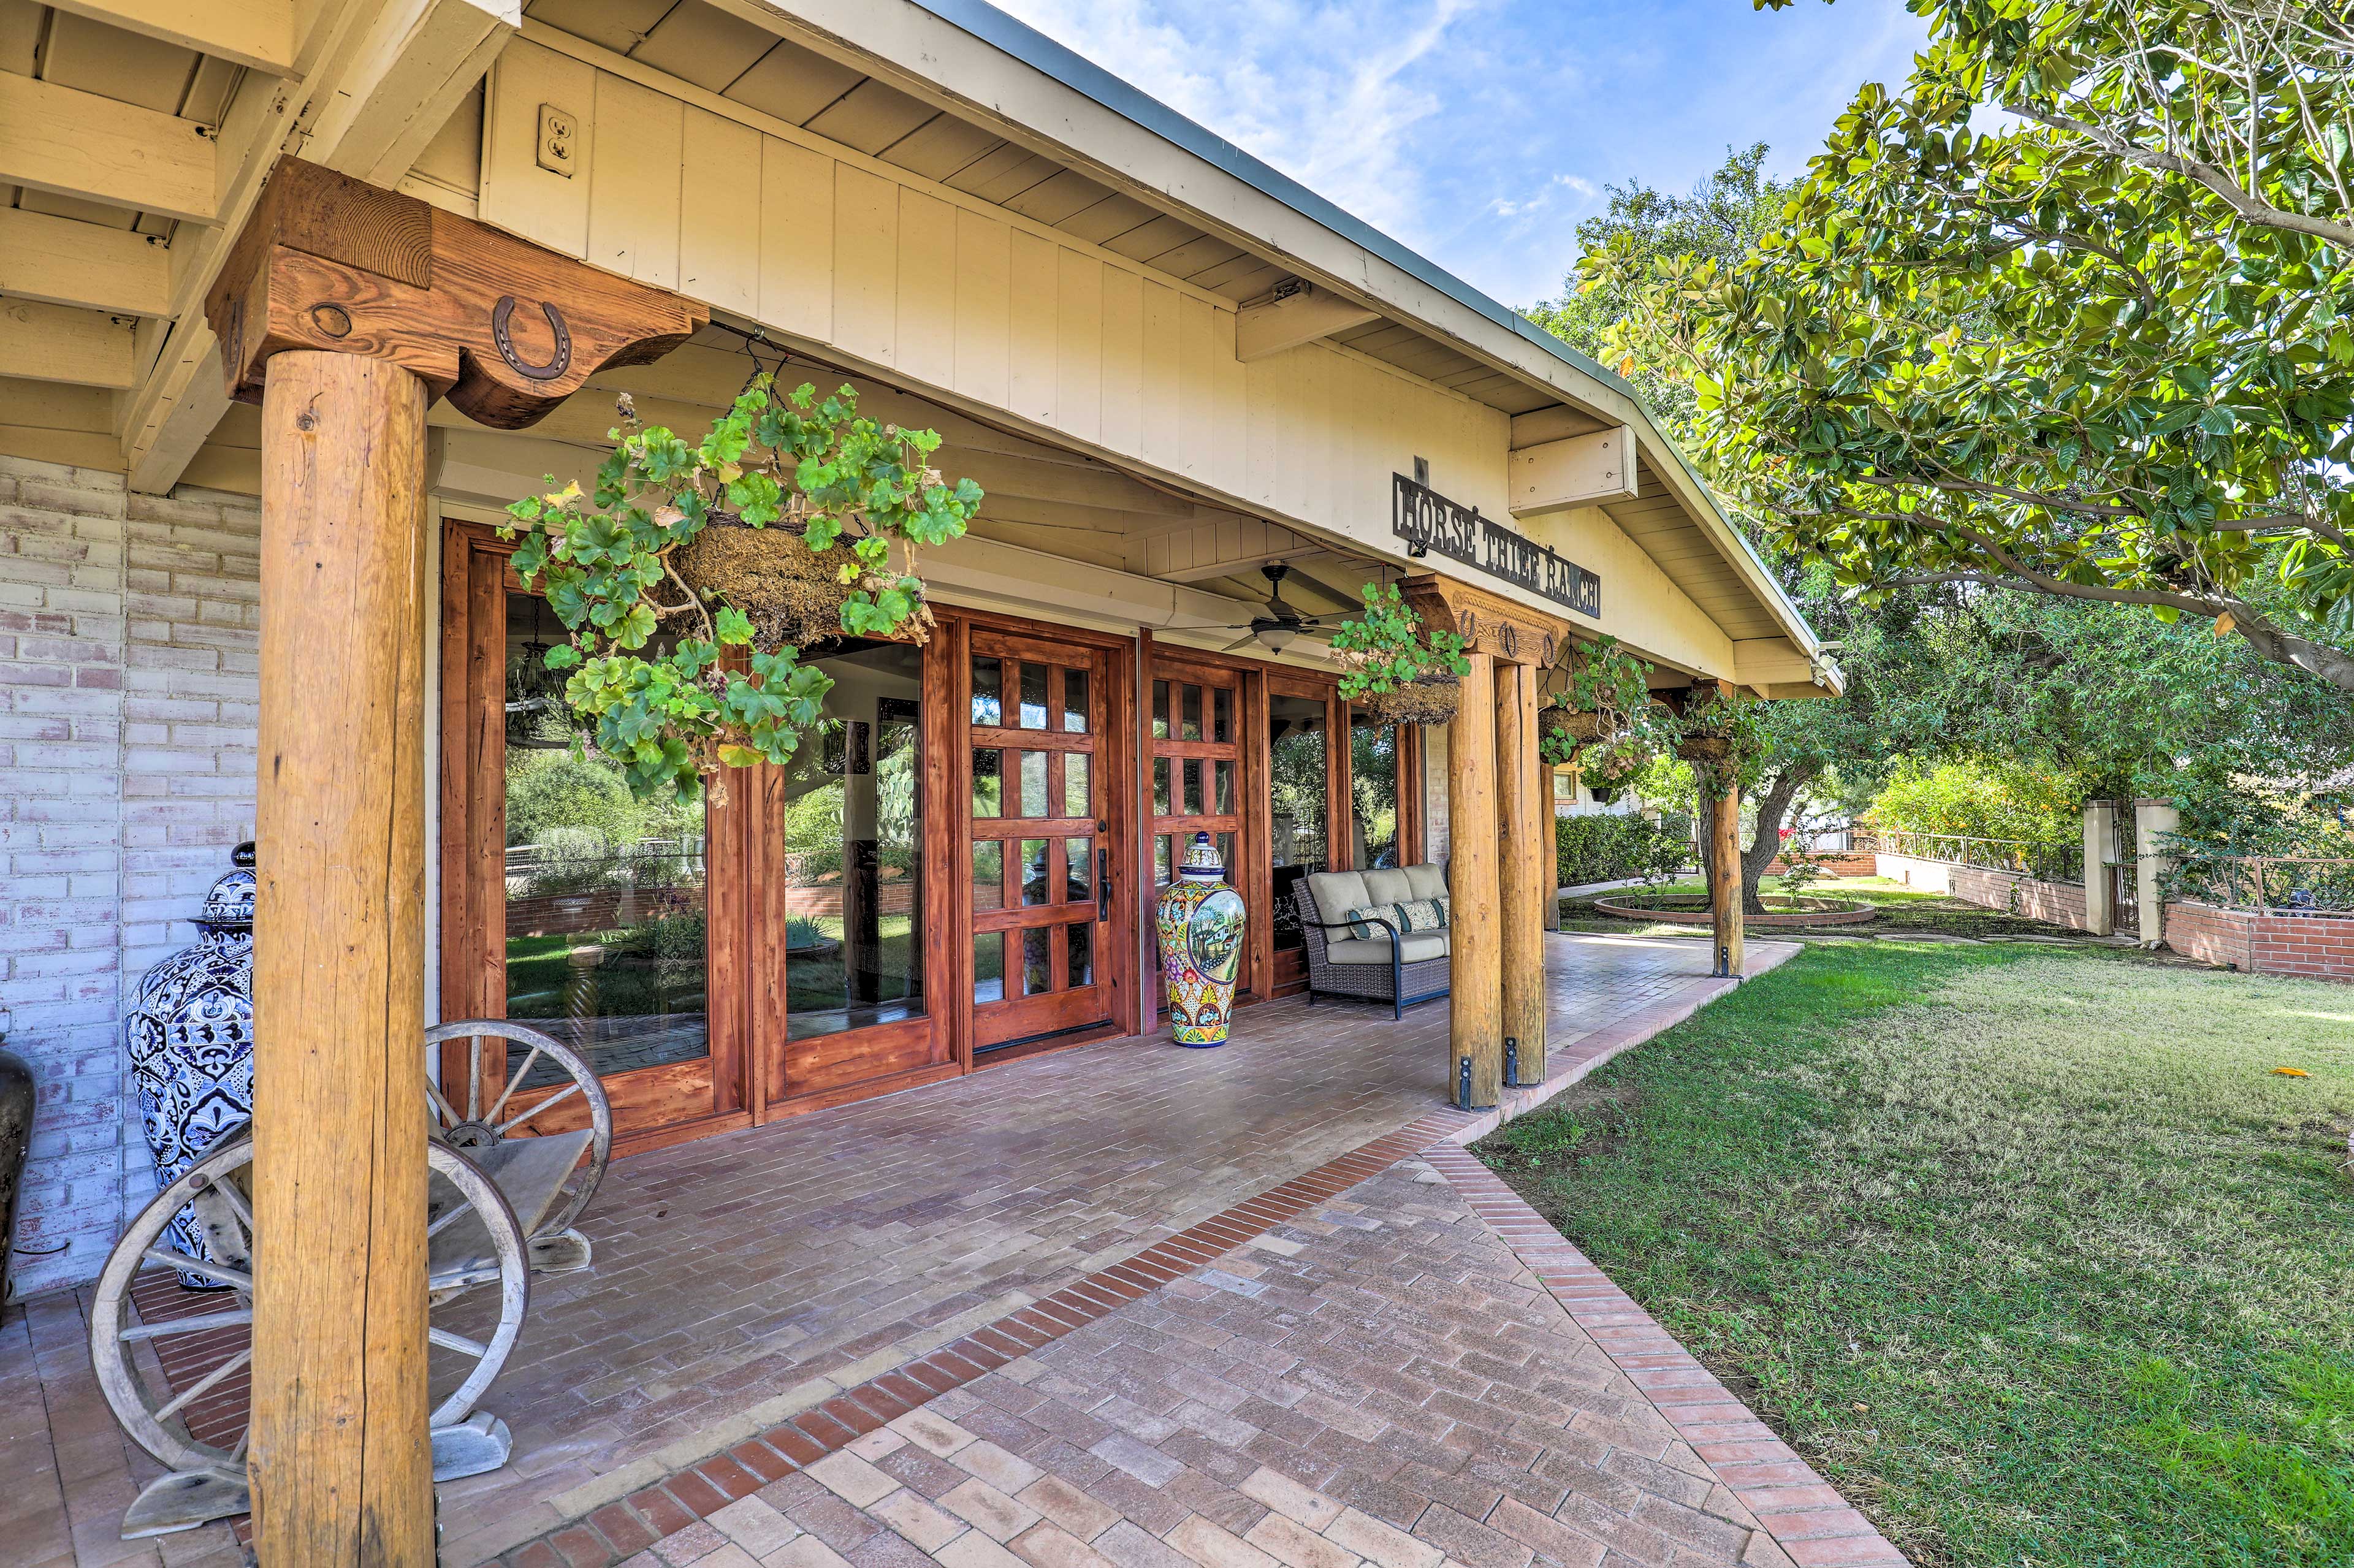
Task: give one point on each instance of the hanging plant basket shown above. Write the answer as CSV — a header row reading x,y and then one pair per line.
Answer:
x,y
792,594
1705,748
1577,727
1426,701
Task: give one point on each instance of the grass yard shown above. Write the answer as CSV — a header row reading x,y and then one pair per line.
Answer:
x,y
2028,1249
1903,910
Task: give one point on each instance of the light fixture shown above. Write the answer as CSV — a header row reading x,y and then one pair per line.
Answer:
x,y
1276,638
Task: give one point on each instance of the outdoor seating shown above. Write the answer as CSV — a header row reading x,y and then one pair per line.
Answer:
x,y
1391,964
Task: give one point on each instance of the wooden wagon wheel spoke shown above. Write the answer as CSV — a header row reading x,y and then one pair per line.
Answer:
x,y
560,1096
450,1342
465,1206
180,1262
241,1317
204,1384
237,1204
441,1106
479,1129
513,1084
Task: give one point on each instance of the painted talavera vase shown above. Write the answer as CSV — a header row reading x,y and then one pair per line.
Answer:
x,y
1201,946
191,1042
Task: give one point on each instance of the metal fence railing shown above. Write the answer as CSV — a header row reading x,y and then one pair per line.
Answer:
x,y
2298,884
2055,860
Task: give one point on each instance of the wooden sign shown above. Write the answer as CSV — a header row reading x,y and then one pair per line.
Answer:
x,y
501,327
1429,522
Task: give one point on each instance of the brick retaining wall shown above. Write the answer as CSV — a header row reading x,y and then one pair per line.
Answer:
x,y
2058,903
2266,942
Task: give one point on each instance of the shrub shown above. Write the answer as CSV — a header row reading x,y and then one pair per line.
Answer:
x,y
1608,848
1998,800
574,861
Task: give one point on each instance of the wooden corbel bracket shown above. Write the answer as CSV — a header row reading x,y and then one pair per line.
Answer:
x,y
1487,622
501,327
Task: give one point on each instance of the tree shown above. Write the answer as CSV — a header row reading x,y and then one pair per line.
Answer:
x,y
1722,217
2103,353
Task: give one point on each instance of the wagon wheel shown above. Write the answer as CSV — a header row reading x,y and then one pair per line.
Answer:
x,y
485,1246
467,1115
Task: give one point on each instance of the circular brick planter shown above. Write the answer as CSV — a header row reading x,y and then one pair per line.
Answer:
x,y
1829,914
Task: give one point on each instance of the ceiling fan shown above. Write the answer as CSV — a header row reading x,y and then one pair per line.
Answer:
x,y
1275,630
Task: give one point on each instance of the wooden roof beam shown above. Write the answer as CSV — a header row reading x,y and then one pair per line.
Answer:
x,y
78,144
1578,470
1298,313
62,263
256,34
53,342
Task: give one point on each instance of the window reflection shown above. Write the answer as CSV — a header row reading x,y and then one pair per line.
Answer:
x,y
1298,769
1374,789
853,844
605,940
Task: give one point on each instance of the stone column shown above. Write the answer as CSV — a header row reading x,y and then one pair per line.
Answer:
x,y
2100,849
2152,821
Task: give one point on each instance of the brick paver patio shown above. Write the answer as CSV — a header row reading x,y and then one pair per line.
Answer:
x,y
819,1265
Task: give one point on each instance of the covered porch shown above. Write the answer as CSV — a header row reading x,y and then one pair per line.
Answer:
x,y
743,1281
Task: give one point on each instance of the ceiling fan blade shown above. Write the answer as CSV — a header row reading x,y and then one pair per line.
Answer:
x,y
1244,640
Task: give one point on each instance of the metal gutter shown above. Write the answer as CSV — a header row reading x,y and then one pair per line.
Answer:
x,y
1054,60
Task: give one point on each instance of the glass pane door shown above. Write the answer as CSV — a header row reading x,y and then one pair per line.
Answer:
x,y
1040,854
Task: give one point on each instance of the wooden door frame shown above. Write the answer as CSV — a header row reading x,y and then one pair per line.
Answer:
x,y
1122,836
668,1103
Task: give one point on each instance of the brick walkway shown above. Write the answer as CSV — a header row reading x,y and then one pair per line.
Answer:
x,y
747,1280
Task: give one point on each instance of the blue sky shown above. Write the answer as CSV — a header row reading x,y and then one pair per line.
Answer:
x,y
1480,132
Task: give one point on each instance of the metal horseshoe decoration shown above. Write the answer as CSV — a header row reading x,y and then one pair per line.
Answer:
x,y
559,363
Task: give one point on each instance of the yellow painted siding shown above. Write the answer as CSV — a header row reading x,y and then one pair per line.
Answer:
x,y
943,294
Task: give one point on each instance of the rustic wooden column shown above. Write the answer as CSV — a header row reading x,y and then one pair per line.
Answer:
x,y
345,311
340,1468
1476,1007
1526,871
1724,879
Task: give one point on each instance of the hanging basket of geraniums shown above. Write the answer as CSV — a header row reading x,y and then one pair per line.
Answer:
x,y
1606,696
692,579
1721,736
1402,672
1617,763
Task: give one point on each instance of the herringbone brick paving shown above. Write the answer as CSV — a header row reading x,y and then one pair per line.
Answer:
x,y
1379,1381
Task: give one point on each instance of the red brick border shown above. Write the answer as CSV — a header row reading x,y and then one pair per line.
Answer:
x,y
1805,1517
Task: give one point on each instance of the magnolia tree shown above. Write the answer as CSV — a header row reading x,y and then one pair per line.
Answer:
x,y
2103,350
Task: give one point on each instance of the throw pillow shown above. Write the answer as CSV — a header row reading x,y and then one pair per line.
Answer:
x,y
1421,914
1361,922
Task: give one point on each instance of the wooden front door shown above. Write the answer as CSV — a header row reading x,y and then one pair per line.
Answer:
x,y
1043,843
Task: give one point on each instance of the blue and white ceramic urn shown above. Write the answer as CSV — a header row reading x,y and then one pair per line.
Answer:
x,y
191,1042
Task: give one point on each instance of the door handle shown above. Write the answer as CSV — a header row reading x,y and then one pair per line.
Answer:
x,y
1103,884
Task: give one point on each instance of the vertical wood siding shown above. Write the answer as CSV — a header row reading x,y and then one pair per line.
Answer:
x,y
941,291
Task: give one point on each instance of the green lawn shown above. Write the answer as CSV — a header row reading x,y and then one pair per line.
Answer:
x,y
1901,910
2028,1250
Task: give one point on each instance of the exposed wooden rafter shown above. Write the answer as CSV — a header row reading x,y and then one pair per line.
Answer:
x,y
79,144
63,262
1303,314
255,33
55,343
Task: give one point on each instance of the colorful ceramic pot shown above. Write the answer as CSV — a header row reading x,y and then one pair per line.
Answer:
x,y
1201,946
191,1043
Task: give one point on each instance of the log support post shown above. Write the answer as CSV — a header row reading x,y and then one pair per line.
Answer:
x,y
1500,869
345,311
1475,1036
1724,879
1526,871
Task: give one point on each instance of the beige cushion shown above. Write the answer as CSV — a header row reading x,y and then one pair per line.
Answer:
x,y
1338,892
1418,946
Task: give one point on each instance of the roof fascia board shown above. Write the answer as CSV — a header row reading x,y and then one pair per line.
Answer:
x,y
1115,130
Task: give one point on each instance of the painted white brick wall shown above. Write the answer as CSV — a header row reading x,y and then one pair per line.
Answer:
x,y
127,709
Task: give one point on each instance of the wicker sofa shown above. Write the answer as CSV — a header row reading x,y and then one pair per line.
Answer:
x,y
1384,968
